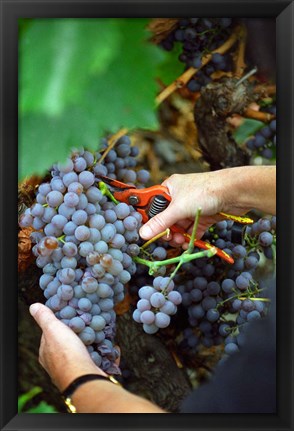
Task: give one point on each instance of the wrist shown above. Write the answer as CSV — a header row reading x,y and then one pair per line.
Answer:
x,y
72,391
74,372
236,189
248,187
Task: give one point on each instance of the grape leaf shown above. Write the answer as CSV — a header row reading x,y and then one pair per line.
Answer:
x,y
42,407
128,87
248,128
171,68
58,57
120,95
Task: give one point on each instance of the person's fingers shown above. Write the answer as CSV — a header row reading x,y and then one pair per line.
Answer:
x,y
43,315
178,239
41,349
160,222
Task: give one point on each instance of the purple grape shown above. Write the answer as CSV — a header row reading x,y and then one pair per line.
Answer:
x,y
54,198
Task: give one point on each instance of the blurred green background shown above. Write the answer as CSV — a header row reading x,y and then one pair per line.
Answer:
x,y
80,79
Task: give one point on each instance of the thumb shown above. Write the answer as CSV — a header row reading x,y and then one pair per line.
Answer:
x,y
159,223
42,314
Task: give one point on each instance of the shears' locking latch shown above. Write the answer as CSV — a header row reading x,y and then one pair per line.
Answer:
x,y
158,204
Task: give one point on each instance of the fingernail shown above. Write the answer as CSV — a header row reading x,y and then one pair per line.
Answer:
x,y
34,308
146,232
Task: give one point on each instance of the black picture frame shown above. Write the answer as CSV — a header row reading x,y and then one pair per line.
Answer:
x,y
283,12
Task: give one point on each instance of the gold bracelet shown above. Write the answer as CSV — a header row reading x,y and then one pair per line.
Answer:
x,y
67,393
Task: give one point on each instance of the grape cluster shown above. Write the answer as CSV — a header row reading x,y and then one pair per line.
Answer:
x,y
156,304
262,235
120,162
199,36
82,241
264,141
222,299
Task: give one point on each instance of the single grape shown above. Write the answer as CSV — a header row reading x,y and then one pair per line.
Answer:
x,y
76,324
137,315
168,308
58,185
66,211
143,175
97,323
265,239
87,179
145,292
208,302
104,290
157,300
82,233
143,305
66,275
67,312
89,284
45,279
108,232
66,292
159,253
162,320
212,315
85,248
150,329
130,223
54,198
228,285
242,282
87,335
147,317
253,315
175,297
224,329
106,304
231,348
84,304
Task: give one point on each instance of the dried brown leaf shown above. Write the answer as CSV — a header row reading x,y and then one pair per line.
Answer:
x,y
161,27
25,256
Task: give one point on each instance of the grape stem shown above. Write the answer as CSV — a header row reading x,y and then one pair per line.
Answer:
x,y
183,258
265,117
106,192
193,234
255,299
112,141
155,238
60,238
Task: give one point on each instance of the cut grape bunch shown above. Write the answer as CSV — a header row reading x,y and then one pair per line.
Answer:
x,y
81,243
156,304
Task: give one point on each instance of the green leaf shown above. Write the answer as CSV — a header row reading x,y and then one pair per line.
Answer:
x,y
122,95
58,57
42,407
171,68
248,128
126,92
24,398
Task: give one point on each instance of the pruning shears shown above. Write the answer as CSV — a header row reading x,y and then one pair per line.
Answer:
x,y
152,200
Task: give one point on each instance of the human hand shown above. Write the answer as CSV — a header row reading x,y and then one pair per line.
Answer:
x,y
61,353
227,190
208,191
